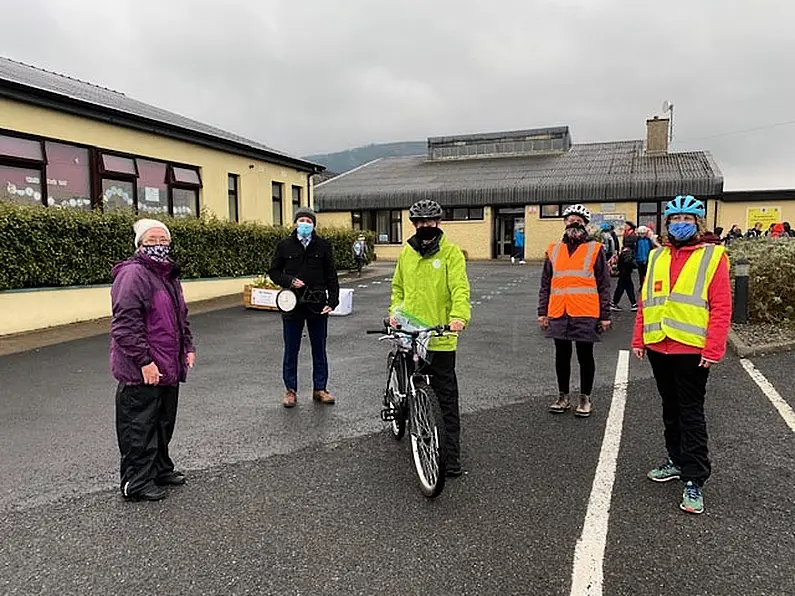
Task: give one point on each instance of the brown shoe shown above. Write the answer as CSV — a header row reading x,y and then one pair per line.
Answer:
x,y
324,397
290,399
561,404
584,407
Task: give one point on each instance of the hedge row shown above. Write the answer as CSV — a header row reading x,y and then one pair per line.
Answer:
x,y
48,247
772,278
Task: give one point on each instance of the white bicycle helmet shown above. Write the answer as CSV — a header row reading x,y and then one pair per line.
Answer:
x,y
578,209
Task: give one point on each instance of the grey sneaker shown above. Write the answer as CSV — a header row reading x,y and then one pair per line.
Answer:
x,y
561,404
664,472
692,499
584,407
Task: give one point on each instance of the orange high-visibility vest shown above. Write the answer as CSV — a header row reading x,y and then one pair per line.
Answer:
x,y
573,289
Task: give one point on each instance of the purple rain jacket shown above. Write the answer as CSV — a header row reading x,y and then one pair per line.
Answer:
x,y
149,322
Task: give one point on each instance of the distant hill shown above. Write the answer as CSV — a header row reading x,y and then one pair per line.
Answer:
x,y
342,161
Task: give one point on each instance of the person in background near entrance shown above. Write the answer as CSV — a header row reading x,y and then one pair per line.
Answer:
x,y
574,305
788,229
756,231
779,232
735,233
626,265
360,253
683,325
646,242
607,240
304,262
518,245
430,284
151,349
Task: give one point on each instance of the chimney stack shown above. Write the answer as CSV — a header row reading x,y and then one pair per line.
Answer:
x,y
657,136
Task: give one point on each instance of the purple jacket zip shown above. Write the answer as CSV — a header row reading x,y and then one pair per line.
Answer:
x,y
149,322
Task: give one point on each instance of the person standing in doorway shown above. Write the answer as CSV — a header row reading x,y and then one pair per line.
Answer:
x,y
430,285
151,350
683,326
518,245
574,305
646,242
304,262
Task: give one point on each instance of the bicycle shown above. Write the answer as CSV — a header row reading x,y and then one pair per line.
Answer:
x,y
409,400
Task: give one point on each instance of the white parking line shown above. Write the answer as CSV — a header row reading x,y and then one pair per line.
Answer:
x,y
588,573
786,411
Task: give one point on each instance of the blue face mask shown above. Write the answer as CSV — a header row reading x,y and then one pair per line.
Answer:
x,y
682,230
304,229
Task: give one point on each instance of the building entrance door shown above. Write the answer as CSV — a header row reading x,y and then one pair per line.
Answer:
x,y
505,223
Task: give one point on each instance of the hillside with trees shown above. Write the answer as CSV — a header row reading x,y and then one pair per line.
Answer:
x,y
342,161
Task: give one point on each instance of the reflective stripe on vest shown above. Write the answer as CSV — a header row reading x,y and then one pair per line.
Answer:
x,y
681,314
573,287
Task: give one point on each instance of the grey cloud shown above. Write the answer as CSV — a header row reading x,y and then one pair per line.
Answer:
x,y
315,75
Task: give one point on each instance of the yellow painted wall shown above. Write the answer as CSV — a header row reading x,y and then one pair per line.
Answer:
x,y
27,310
334,219
736,213
540,232
472,236
255,176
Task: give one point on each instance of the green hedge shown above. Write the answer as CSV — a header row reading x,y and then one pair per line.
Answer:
x,y
772,278
49,247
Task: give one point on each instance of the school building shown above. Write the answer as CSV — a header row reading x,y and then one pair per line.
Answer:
x,y
491,183
66,143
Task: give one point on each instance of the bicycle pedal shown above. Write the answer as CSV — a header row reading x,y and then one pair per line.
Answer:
x,y
389,414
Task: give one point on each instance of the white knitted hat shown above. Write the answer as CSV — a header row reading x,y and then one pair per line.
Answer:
x,y
142,226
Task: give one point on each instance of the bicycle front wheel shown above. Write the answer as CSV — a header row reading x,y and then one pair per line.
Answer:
x,y
395,396
428,440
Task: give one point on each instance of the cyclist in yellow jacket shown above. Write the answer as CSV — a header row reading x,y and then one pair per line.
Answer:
x,y
430,285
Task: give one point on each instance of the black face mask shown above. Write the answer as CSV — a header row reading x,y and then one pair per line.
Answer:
x,y
428,234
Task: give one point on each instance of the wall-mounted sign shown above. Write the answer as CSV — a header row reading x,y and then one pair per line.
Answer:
x,y
763,215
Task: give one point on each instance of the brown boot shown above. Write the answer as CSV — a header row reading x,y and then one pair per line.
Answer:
x,y
324,397
561,404
584,407
290,398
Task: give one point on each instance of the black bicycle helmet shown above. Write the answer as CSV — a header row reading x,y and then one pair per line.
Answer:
x,y
425,209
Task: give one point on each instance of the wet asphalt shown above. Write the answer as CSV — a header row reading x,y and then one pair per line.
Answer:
x,y
321,500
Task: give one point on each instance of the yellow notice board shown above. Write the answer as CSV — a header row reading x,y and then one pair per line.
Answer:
x,y
765,215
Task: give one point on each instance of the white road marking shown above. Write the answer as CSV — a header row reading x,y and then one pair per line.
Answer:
x,y
588,574
786,411
362,285
376,283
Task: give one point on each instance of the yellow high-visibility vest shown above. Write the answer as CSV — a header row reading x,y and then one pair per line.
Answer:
x,y
681,314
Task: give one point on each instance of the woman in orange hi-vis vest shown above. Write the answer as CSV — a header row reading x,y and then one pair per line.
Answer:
x,y
574,305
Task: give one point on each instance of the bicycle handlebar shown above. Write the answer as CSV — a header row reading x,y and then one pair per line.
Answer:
x,y
438,330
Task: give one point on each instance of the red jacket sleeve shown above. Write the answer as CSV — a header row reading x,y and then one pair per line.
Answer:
x,y
637,334
720,313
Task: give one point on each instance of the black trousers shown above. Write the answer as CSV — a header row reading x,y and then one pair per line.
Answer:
x,y
682,384
563,365
624,284
145,418
441,367
642,268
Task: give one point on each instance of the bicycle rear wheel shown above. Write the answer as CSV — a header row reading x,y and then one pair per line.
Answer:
x,y
428,440
395,395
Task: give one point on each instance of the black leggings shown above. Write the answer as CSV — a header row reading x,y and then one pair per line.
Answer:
x,y
563,365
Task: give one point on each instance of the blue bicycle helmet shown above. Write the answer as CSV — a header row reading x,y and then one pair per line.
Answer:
x,y
685,204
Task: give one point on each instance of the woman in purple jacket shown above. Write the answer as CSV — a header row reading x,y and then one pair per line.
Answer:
x,y
150,353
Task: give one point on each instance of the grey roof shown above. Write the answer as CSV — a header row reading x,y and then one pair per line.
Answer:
x,y
35,85
597,172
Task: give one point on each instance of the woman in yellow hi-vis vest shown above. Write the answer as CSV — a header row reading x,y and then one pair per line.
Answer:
x,y
574,305
683,325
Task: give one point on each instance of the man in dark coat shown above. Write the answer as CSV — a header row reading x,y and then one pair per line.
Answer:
x,y
304,262
151,351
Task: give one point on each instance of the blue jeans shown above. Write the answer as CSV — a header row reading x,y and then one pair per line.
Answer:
x,y
293,329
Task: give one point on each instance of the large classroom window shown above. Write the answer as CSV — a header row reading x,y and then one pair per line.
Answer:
x,y
277,190
386,224
59,174
463,213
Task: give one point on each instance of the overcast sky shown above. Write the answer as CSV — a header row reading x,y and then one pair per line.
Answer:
x,y
310,76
